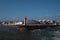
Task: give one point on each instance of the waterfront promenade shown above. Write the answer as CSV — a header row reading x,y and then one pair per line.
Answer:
x,y
31,24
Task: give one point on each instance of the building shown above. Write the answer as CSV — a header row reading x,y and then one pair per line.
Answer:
x,y
32,22
18,23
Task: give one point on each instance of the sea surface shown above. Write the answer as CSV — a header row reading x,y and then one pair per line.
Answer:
x,y
11,33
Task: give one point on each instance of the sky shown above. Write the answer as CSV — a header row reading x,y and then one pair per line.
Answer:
x,y
33,9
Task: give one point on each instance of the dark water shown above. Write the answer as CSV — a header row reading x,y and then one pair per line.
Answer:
x,y
11,33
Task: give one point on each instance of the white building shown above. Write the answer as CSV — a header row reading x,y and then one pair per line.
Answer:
x,y
3,22
18,23
51,21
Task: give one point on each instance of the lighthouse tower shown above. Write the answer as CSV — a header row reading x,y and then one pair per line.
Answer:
x,y
23,28
25,20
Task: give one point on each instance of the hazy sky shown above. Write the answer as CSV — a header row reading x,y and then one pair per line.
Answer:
x,y
33,9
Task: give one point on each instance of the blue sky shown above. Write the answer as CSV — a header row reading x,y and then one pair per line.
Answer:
x,y
33,9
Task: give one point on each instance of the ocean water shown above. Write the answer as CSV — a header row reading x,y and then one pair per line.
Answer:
x,y
11,33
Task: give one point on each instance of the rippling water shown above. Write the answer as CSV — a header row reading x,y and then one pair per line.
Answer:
x,y
11,33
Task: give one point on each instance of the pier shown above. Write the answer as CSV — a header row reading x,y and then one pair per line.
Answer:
x,y
31,25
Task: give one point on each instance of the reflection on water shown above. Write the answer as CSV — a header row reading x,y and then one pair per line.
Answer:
x,y
11,33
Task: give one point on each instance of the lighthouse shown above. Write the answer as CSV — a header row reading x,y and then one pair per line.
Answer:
x,y
25,19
